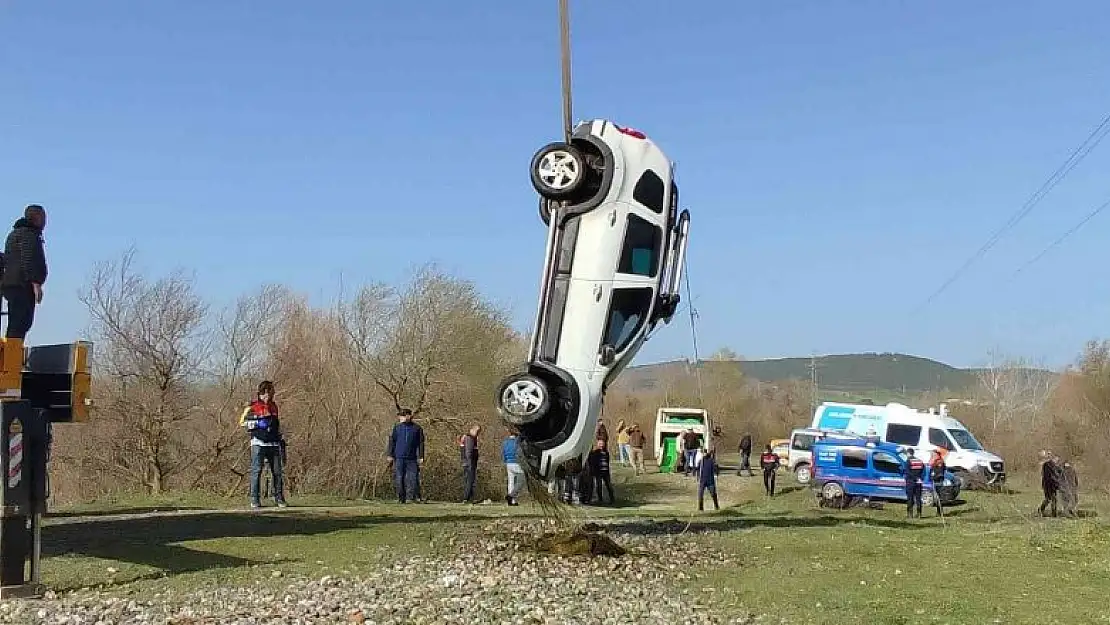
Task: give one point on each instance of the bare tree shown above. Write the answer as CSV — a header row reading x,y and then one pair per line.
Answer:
x,y
1016,392
418,345
151,342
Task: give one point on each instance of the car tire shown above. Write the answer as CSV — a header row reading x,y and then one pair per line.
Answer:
x,y
558,171
803,474
927,499
523,398
833,494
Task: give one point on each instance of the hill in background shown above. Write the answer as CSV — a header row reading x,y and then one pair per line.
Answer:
x,y
880,377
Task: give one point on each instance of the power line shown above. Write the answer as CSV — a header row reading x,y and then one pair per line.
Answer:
x,y
1077,156
1063,237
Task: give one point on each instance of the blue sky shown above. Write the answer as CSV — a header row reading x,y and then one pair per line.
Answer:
x,y
840,159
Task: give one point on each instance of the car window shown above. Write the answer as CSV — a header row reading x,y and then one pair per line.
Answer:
x,y
886,463
803,442
853,459
939,439
650,191
903,434
965,439
627,311
640,254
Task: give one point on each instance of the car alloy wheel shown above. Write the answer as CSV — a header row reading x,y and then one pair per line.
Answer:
x,y
523,399
558,171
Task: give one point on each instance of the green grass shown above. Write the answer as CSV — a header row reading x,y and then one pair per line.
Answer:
x,y
990,561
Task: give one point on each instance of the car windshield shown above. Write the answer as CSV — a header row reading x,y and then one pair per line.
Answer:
x,y
965,440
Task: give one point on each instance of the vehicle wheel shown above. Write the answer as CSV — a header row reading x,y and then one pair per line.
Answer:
x,y
523,398
558,171
833,495
927,499
803,474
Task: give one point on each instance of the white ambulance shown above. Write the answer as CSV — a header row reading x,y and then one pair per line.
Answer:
x,y
923,431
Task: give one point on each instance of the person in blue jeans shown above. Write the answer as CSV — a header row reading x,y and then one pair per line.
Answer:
x,y
692,443
406,453
707,479
468,452
515,472
260,418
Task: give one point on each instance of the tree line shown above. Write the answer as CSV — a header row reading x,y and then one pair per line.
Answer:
x,y
171,374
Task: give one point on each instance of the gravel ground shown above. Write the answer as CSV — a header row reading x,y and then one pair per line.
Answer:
x,y
493,579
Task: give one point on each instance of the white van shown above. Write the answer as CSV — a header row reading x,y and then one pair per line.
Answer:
x,y
924,431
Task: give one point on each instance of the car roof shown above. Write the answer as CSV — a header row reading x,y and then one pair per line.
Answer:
x,y
856,443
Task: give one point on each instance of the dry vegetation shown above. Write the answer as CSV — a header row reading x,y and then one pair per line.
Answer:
x,y
171,375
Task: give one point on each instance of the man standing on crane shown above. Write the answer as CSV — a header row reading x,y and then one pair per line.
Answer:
x,y
24,269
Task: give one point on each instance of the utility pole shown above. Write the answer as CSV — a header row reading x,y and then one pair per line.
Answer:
x,y
813,377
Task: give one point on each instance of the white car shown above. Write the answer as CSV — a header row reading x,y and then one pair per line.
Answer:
x,y
616,245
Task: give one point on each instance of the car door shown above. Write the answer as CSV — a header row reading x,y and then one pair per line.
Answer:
x,y
853,466
888,472
635,285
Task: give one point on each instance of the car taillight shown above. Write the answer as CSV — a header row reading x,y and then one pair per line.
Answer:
x,y
632,132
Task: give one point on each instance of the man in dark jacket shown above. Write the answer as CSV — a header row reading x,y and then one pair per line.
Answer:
x,y
707,479
1069,489
745,455
1050,481
769,462
406,454
598,461
468,449
24,271
915,483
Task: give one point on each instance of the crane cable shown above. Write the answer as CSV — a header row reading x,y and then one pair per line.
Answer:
x,y
564,40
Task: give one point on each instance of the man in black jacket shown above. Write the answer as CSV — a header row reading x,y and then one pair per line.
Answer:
x,y
468,449
745,455
24,271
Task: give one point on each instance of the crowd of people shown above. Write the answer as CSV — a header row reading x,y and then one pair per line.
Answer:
x,y
579,482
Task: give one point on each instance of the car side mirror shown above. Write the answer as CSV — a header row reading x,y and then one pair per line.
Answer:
x,y
608,355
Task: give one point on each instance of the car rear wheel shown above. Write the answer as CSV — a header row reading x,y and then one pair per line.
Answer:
x,y
522,399
927,499
803,474
832,494
558,171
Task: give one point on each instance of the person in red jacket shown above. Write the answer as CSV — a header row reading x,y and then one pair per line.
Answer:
x,y
267,443
769,461
915,483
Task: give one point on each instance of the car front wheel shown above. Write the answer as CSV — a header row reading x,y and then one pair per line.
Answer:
x,y
558,171
802,474
523,398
